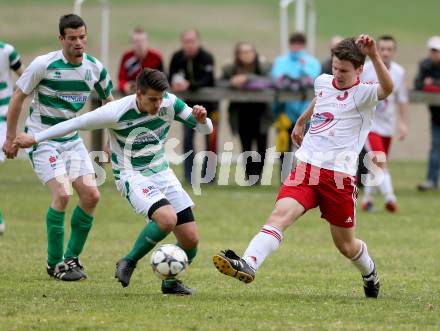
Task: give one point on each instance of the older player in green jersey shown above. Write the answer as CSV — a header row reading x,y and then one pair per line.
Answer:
x,y
60,83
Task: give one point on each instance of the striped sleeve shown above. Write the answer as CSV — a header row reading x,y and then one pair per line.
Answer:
x,y
32,76
14,57
104,84
183,113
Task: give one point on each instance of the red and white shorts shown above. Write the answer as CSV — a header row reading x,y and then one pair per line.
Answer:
x,y
378,144
334,192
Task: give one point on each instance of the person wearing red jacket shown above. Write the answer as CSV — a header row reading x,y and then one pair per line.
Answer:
x,y
133,61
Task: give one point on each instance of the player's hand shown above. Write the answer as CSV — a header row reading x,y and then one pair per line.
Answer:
x,y
10,149
403,130
367,45
298,133
24,140
200,113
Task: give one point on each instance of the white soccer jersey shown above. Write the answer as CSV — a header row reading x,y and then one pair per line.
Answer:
x,y
61,89
384,119
339,126
8,58
136,139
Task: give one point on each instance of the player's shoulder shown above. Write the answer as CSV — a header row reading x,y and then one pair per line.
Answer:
x,y
169,99
5,47
324,79
51,60
93,61
125,108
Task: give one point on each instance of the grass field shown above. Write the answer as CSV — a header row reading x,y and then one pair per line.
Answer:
x,y
305,285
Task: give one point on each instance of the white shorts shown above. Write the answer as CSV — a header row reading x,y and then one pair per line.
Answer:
x,y
143,192
51,159
2,139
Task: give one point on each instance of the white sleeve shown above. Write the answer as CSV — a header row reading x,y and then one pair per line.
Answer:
x,y
31,76
103,117
367,95
204,128
402,93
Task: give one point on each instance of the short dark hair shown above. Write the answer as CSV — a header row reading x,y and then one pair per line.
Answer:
x,y
71,21
387,37
348,50
151,78
297,38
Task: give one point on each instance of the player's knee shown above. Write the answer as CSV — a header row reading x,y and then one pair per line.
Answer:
x,y
61,200
191,240
167,222
90,198
346,248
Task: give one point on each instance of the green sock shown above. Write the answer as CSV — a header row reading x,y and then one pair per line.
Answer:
x,y
150,235
190,252
1,217
81,224
55,236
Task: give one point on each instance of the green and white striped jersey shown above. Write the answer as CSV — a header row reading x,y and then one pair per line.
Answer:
x,y
61,89
136,139
8,58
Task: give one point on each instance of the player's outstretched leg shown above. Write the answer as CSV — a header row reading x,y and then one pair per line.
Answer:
x,y
286,211
150,235
163,220
230,264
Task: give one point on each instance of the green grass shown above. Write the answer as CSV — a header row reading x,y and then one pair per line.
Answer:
x,y
305,285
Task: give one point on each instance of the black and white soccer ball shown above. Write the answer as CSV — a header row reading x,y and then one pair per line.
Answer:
x,y
169,261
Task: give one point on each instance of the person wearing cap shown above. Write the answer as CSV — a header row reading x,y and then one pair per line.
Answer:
x,y
428,80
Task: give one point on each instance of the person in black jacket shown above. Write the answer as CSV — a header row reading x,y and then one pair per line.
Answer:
x,y
428,80
192,67
251,120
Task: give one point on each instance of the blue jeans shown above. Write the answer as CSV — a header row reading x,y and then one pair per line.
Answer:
x,y
434,155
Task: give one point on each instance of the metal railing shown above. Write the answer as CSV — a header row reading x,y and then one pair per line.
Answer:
x,y
217,94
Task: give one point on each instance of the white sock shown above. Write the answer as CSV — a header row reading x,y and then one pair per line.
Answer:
x,y
264,243
369,189
363,261
386,187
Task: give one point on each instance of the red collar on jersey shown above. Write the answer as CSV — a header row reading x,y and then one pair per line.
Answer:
x,y
345,88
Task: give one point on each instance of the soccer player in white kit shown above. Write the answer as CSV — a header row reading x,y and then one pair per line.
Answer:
x,y
327,163
139,126
9,60
60,83
384,123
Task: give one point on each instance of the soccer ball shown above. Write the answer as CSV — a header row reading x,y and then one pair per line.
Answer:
x,y
169,261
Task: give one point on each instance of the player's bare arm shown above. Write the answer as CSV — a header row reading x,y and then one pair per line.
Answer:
x,y
300,125
368,46
24,140
14,110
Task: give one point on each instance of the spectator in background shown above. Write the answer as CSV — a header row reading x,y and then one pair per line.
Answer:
x,y
251,120
192,67
327,64
384,123
428,80
133,61
295,70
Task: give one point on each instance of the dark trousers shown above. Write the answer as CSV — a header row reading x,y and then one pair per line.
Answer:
x,y
250,132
